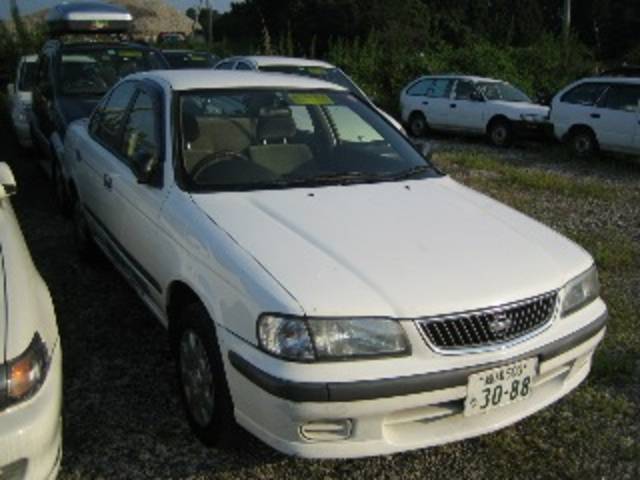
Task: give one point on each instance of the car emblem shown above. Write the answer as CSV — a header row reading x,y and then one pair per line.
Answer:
x,y
499,324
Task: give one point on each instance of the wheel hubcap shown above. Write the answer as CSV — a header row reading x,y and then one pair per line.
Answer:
x,y
197,377
499,135
582,144
417,126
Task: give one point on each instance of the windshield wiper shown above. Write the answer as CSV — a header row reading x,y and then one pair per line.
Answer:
x,y
413,172
340,178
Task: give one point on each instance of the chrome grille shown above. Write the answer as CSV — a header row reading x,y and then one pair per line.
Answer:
x,y
491,326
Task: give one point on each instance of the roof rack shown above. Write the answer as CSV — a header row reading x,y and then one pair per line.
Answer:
x,y
88,18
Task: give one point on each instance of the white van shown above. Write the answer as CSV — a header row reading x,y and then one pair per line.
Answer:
x,y
598,113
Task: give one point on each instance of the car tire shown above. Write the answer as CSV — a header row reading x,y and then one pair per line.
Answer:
x,y
200,372
417,124
500,133
62,195
583,143
84,242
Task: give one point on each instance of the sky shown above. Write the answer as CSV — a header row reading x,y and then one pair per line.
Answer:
x,y
28,6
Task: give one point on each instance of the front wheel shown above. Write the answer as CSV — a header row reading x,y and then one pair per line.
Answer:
x,y
200,371
500,133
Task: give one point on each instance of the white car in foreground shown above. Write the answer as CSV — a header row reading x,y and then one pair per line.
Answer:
x,y
19,97
30,357
601,113
321,281
473,105
304,67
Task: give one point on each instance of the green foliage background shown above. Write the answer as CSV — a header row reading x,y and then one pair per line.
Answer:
x,y
383,45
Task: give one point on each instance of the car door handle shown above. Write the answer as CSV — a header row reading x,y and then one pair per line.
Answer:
x,y
453,105
425,103
595,115
78,156
107,181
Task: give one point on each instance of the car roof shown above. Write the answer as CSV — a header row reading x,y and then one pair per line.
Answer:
x,y
29,58
184,50
272,61
472,78
616,79
219,79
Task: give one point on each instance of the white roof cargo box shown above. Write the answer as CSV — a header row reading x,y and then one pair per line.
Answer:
x,y
88,17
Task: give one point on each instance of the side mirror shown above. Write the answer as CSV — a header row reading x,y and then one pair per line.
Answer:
x,y
146,165
7,181
11,88
476,96
424,148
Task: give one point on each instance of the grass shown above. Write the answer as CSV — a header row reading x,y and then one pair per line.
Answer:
x,y
530,179
594,432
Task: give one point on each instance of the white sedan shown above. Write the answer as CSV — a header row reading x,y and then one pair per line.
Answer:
x,y
472,105
322,282
19,96
30,357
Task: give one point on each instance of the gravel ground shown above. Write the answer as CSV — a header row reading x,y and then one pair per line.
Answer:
x,y
123,419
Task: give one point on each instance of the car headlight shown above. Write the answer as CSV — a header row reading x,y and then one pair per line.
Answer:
x,y
23,376
580,291
322,339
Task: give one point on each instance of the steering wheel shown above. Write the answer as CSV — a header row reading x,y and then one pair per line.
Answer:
x,y
221,157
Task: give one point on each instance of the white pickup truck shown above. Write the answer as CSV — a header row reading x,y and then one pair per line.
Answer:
x,y
322,282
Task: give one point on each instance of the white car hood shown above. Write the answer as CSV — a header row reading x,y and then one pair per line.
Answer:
x,y
403,249
521,108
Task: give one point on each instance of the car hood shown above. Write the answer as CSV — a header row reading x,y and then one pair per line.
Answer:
x,y
403,249
521,108
73,108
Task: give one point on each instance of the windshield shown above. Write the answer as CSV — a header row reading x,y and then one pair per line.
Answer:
x,y
28,72
502,91
180,60
249,140
93,71
333,75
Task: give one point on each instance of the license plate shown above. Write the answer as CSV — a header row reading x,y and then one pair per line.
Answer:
x,y
499,386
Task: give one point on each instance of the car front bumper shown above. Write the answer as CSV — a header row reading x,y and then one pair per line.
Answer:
x,y
31,432
393,414
540,130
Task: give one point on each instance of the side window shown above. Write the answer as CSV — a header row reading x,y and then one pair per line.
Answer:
x,y
302,119
464,89
439,88
243,66
141,132
109,119
586,94
419,89
225,66
623,97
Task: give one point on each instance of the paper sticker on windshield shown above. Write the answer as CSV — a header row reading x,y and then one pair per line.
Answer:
x,y
129,53
198,58
310,99
318,71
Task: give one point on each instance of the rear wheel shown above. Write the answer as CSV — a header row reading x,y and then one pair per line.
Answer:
x,y
200,371
583,143
417,124
500,133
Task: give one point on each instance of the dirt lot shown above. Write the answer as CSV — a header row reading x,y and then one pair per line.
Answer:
x,y
122,417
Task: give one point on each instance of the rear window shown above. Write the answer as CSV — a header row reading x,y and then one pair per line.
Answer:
x,y
586,94
623,97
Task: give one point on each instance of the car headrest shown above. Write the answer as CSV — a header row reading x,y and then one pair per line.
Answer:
x,y
275,124
190,126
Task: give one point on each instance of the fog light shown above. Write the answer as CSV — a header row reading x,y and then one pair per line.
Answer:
x,y
327,430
